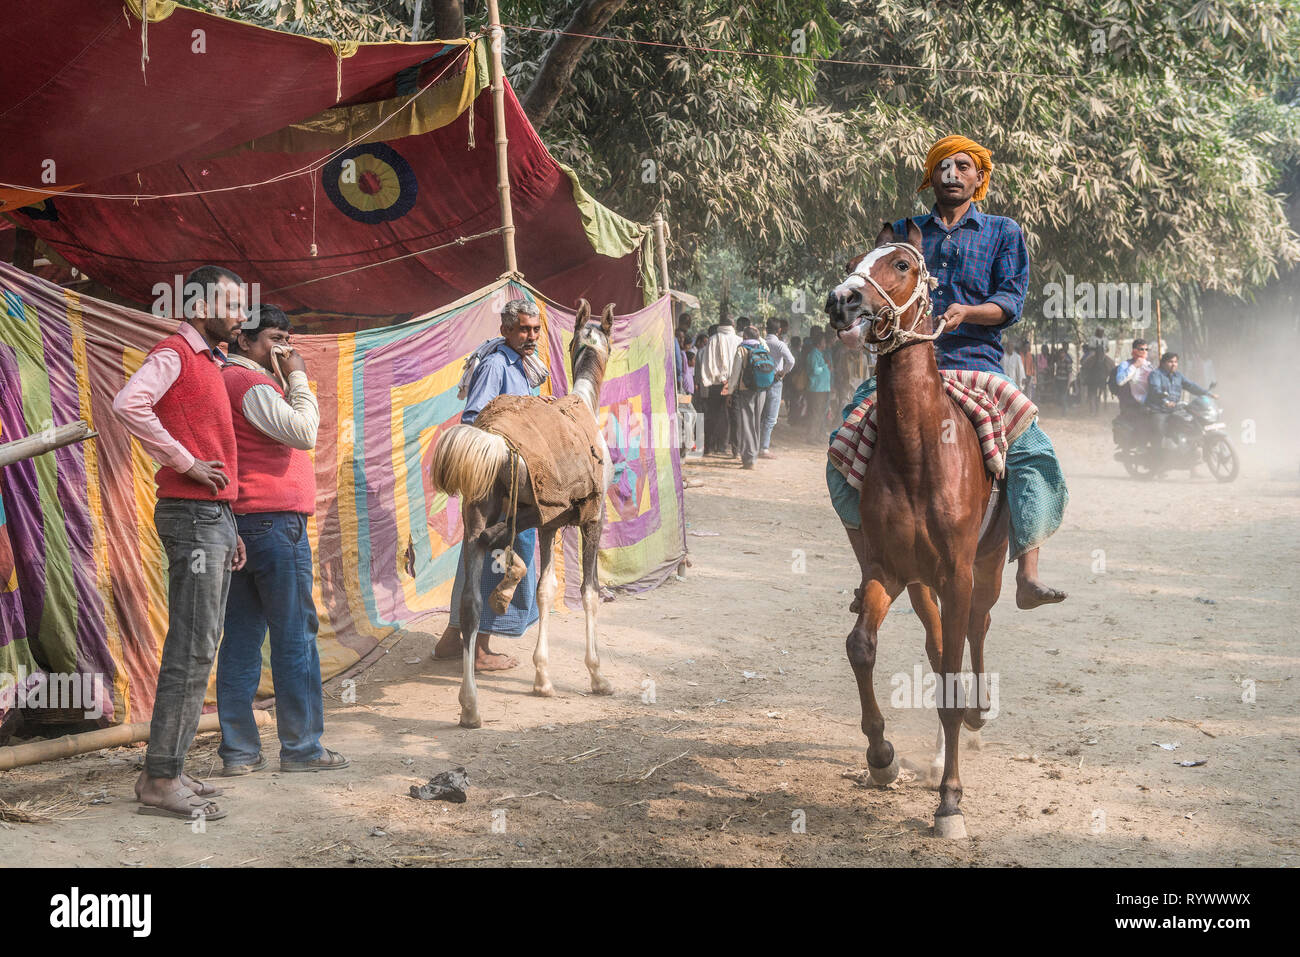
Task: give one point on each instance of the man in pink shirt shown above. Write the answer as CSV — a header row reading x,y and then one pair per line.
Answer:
x,y
176,405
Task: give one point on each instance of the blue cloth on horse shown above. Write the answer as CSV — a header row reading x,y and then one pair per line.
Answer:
x,y
522,611
1034,485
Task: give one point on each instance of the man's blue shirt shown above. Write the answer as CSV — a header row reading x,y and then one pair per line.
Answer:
x,y
1166,388
981,259
500,373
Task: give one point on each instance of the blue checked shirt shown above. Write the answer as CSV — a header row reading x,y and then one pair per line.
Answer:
x,y
981,259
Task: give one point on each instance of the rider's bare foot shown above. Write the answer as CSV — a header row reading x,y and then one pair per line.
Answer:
x,y
1030,593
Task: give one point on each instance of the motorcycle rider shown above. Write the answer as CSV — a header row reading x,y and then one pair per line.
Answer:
x,y
1165,390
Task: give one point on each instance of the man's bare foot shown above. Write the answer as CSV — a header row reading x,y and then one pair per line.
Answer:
x,y
451,645
1030,593
485,660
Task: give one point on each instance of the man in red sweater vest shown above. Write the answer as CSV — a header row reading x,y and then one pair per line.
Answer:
x,y
277,496
176,405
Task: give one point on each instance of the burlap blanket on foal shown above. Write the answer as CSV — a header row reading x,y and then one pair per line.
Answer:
x,y
559,444
999,411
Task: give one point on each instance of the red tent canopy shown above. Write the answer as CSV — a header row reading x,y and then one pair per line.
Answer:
x,y
358,210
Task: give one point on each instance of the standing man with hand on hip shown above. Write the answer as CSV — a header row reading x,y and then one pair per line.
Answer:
x,y
176,405
277,494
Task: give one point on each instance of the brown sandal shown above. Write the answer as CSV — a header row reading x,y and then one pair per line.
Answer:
x,y
185,805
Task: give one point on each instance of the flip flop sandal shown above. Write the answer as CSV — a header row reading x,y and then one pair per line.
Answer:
x,y
209,810
205,789
329,761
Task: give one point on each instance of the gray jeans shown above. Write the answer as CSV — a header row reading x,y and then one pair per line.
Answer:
x,y
747,405
199,539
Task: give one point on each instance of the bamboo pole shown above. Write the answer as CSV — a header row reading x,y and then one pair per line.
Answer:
x,y
661,252
34,752
415,24
499,118
44,441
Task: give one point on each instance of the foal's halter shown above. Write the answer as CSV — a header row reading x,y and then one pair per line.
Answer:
x,y
895,337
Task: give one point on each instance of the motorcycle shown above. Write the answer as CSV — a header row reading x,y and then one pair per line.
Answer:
x,y
1194,434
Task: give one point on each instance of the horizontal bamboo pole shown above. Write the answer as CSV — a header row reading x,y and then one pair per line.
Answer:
x,y
44,441
70,745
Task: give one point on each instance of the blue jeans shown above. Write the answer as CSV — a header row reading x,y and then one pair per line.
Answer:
x,y
273,590
770,413
1034,485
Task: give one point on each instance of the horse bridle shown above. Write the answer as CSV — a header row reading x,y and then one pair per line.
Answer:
x,y
895,337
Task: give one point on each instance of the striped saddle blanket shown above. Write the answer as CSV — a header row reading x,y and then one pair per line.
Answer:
x,y
999,411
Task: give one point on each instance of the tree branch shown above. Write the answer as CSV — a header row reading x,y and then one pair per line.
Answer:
x,y
556,70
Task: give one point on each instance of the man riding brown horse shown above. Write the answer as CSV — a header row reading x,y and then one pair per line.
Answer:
x,y
982,270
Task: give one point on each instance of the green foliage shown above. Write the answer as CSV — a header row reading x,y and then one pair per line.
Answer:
x,y
1133,140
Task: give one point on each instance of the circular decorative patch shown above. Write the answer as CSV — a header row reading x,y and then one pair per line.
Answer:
x,y
370,183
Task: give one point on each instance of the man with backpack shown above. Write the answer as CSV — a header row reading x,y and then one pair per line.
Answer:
x,y
752,374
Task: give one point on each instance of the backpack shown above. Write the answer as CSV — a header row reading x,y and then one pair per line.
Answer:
x,y
760,371
1113,386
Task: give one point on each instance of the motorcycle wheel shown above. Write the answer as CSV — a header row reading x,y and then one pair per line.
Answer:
x,y
1138,468
1221,459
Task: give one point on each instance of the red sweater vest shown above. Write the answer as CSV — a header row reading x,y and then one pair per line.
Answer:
x,y
195,413
272,476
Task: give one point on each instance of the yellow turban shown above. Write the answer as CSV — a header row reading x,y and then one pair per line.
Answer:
x,y
951,146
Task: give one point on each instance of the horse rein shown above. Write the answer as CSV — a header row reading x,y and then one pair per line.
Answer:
x,y
895,337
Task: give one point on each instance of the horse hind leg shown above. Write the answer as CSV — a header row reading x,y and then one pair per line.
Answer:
x,y
882,762
546,588
926,605
471,609
591,604
955,613
988,586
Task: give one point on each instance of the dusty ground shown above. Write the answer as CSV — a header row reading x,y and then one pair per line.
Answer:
x,y
755,718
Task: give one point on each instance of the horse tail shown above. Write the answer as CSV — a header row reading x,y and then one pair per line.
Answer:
x,y
466,462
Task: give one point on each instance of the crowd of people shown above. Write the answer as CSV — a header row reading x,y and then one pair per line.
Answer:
x,y
740,378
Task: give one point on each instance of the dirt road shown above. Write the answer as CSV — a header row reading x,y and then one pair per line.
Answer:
x,y
1183,598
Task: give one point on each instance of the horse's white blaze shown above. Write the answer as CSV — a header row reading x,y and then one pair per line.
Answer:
x,y
855,282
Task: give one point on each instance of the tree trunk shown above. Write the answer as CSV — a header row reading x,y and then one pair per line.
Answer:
x,y
448,19
553,76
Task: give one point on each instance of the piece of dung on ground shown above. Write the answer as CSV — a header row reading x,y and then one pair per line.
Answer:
x,y
445,786
514,574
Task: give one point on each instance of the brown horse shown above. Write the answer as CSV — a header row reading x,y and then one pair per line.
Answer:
x,y
924,508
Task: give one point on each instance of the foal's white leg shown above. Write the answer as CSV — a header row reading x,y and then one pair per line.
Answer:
x,y
590,603
471,607
546,588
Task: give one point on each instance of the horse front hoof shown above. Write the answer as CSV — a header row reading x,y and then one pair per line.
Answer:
x,y
471,721
886,775
601,686
950,827
544,689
